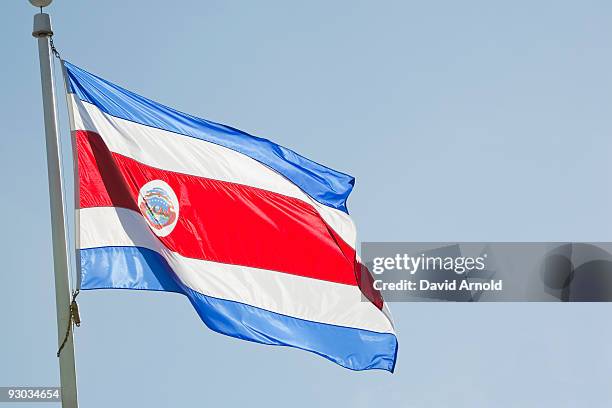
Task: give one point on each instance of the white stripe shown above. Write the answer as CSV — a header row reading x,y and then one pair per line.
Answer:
x,y
170,151
297,296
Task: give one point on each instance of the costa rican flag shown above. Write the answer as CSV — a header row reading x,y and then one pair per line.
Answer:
x,y
256,236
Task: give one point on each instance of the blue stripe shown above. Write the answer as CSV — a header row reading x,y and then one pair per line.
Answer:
x,y
327,186
139,268
126,268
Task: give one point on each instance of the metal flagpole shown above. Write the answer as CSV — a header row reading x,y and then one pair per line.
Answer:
x,y
42,31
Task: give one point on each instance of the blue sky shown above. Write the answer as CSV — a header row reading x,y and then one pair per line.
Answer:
x,y
471,120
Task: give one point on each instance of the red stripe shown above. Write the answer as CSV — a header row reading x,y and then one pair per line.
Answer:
x,y
221,221
366,284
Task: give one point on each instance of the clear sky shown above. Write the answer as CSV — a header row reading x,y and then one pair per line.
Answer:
x,y
461,120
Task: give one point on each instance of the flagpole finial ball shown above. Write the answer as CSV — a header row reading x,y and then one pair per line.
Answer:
x,y
40,3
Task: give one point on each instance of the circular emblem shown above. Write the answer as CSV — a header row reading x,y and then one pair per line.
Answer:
x,y
159,206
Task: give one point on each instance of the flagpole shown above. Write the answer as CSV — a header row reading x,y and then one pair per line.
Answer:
x,y
42,31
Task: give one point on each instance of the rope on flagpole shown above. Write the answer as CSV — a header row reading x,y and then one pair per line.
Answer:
x,y
54,50
73,272
56,54
75,318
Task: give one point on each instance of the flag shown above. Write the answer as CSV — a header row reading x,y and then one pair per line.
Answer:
x,y
257,237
